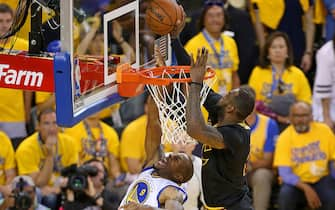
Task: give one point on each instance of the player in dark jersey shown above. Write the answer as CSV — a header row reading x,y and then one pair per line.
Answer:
x,y
226,146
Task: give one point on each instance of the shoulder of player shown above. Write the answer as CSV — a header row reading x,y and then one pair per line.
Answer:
x,y
172,193
234,127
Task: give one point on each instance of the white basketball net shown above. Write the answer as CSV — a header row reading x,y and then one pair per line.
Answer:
x,y
171,102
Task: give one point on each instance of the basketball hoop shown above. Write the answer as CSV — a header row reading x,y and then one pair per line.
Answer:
x,y
169,87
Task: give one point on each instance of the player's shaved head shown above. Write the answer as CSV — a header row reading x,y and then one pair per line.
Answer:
x,y
177,167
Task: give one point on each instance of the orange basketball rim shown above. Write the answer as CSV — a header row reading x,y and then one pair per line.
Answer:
x,y
131,81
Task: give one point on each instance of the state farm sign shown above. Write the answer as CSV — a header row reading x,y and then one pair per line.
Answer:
x,y
20,77
27,73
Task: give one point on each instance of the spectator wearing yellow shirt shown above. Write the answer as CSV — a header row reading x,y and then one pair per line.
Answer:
x,y
222,49
132,151
276,81
43,154
14,114
95,139
305,156
6,20
7,163
294,17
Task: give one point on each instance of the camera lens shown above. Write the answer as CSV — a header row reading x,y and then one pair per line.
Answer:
x,y
78,183
23,201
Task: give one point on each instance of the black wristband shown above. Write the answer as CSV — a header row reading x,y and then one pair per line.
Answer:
x,y
196,83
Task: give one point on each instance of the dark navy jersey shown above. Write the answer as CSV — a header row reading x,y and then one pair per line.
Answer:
x,y
223,170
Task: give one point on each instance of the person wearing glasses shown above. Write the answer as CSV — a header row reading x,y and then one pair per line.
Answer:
x,y
276,81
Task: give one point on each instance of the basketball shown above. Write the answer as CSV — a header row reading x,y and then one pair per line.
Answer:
x,y
161,16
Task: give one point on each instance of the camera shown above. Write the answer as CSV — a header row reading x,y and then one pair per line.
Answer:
x,y
77,176
23,200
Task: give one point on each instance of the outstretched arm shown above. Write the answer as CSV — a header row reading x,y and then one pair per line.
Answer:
x,y
196,125
183,59
153,148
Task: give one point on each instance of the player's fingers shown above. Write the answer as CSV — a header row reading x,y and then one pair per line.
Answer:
x,y
204,57
192,60
198,57
182,11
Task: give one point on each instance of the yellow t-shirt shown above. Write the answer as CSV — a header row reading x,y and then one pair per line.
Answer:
x,y
15,43
132,143
88,147
258,138
41,97
319,12
107,112
295,82
7,157
30,158
271,12
230,60
11,105
24,31
307,154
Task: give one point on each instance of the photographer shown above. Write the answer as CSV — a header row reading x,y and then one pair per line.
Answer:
x,y
86,187
23,195
43,154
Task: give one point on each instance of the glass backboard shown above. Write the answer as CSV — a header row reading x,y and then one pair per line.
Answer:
x,y
96,36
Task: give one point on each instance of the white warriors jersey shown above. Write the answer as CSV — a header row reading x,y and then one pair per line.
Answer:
x,y
147,188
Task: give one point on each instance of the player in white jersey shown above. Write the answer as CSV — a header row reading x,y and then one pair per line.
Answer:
x,y
324,85
158,185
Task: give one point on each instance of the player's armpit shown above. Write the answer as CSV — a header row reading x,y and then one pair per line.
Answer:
x,y
207,135
172,198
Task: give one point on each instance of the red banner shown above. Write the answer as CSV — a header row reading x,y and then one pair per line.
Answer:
x,y
26,72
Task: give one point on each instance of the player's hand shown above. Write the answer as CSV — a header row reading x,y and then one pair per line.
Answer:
x,y
198,67
180,24
312,197
158,57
